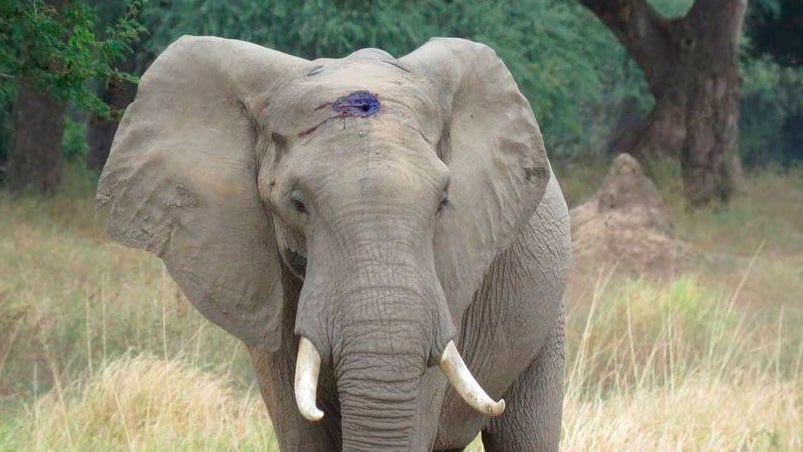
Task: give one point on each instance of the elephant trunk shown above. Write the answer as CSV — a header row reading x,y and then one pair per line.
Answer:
x,y
379,363
384,337
379,322
377,405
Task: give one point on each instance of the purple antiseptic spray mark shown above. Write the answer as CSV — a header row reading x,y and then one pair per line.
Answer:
x,y
359,104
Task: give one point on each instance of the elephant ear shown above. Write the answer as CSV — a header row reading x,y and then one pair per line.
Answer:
x,y
495,153
181,179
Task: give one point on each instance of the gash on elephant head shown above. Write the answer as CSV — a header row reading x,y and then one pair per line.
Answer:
x,y
340,217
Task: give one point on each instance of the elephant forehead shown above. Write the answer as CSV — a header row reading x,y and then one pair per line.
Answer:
x,y
370,143
373,71
347,88
376,153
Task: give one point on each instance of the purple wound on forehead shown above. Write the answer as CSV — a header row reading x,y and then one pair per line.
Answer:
x,y
359,104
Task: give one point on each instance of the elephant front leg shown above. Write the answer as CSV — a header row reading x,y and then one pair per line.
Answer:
x,y
532,420
275,374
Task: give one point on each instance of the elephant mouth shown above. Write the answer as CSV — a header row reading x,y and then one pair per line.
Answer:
x,y
451,364
296,261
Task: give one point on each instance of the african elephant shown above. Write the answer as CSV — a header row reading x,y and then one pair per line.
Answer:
x,y
355,222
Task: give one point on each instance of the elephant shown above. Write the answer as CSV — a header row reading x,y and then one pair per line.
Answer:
x,y
385,235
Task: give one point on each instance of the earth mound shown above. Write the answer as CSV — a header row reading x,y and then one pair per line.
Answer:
x,y
625,226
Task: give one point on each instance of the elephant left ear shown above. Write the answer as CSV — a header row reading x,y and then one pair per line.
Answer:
x,y
182,179
495,153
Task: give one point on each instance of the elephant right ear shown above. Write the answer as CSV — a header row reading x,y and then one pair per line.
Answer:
x,y
181,179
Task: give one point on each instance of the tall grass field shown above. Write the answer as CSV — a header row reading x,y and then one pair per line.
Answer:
x,y
99,350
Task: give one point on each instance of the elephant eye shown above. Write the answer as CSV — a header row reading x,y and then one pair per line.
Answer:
x,y
297,200
444,203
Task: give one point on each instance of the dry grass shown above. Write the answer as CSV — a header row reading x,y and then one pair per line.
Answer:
x,y
711,360
698,414
145,403
672,367
98,350
70,299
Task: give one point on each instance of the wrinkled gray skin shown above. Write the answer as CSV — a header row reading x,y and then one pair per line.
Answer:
x,y
279,216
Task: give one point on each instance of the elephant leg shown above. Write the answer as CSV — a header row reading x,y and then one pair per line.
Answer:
x,y
275,374
532,419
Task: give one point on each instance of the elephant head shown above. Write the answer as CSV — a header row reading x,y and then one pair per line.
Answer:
x,y
386,185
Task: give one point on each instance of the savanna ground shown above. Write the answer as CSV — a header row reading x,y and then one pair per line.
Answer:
x,y
98,350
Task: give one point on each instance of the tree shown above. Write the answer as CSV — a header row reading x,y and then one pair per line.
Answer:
x,y
48,52
116,92
691,67
38,124
34,157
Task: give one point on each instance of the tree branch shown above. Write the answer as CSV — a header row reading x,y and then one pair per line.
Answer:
x,y
645,34
631,20
718,21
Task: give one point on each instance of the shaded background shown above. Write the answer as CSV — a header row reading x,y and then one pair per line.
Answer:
x,y
588,94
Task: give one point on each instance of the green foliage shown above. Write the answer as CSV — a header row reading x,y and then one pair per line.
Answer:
x,y
771,113
672,8
308,28
73,143
60,50
771,9
775,26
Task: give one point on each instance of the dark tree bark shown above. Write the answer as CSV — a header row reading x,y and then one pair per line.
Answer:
x,y
691,68
34,157
118,94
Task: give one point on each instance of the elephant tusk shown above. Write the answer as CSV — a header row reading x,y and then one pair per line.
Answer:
x,y
308,365
464,383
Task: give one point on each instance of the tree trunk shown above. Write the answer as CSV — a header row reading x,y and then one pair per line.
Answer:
x,y
34,158
691,67
100,134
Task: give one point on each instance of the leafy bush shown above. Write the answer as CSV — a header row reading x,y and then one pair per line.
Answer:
x,y
771,113
73,142
59,50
